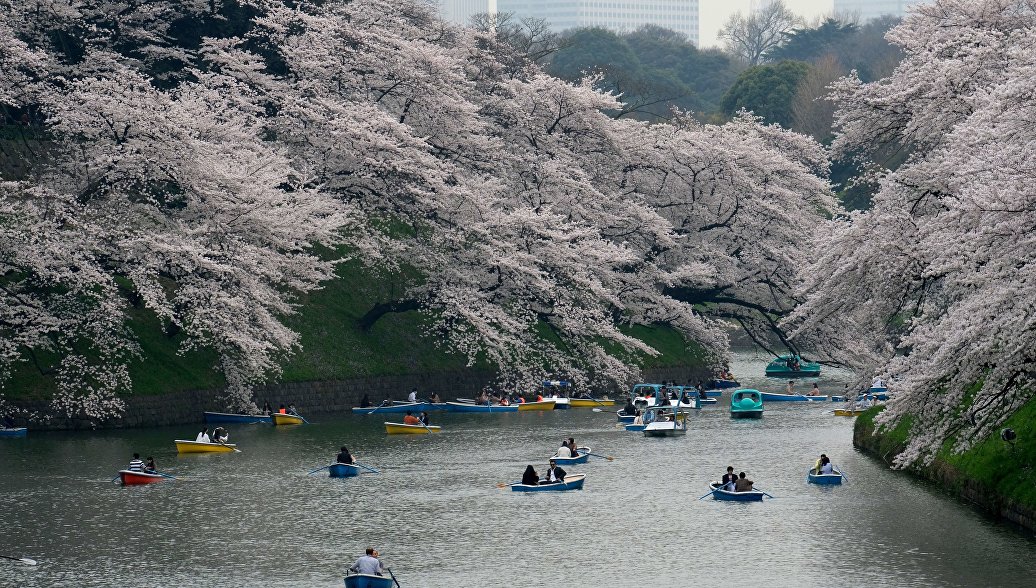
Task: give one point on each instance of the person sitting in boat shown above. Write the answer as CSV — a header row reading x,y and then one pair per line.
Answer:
x,y
877,383
820,462
629,409
519,399
369,563
412,397
266,409
564,451
423,418
282,409
435,398
291,409
530,477
539,397
573,447
815,390
220,435
150,467
483,396
410,419
826,467
791,387
504,400
554,474
135,465
203,436
344,456
365,402
743,484
729,479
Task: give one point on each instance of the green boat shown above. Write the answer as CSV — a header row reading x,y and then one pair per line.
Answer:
x,y
746,404
792,366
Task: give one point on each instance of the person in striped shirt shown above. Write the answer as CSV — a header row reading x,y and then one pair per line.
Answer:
x,y
135,464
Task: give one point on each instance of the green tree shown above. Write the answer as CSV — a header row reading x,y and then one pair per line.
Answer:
x,y
767,91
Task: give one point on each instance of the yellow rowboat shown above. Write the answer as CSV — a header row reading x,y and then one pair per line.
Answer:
x,y
183,446
589,403
542,405
286,419
401,429
849,413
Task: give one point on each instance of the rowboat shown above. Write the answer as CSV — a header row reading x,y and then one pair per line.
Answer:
x,y
782,397
847,412
342,470
746,403
15,432
573,482
368,581
623,417
589,402
401,429
792,366
131,478
813,478
184,446
541,405
225,417
286,419
635,426
722,383
465,407
400,407
561,403
751,496
582,457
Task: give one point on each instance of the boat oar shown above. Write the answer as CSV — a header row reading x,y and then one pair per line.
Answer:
x,y
24,560
393,576
356,463
842,472
236,450
709,493
163,475
764,492
318,469
502,485
608,457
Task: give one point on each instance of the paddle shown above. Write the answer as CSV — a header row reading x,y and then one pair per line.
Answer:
x,y
841,471
502,485
24,560
236,450
356,463
608,457
709,493
318,469
595,409
163,475
389,570
764,493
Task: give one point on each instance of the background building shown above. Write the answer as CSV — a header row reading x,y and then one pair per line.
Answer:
x,y
460,11
620,16
871,9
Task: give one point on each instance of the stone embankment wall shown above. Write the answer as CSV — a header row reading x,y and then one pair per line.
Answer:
x,y
310,398
947,477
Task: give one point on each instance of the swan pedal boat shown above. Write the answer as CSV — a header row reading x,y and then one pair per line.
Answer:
x,y
813,478
131,478
583,457
286,419
404,429
572,482
541,405
185,446
226,417
15,432
342,470
751,496
368,581
746,403
781,368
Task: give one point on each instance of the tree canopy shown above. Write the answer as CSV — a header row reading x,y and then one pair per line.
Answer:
x,y
767,91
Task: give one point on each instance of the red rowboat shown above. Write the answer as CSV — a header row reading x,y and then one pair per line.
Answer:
x,y
133,478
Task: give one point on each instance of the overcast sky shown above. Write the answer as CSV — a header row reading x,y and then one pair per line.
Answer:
x,y
713,13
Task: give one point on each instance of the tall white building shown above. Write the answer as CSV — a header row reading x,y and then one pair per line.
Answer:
x,y
460,11
871,9
620,16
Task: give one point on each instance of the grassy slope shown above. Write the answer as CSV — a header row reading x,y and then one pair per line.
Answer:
x,y
992,463
333,347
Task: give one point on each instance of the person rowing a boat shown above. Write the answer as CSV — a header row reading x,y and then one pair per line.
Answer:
x,y
435,398
819,462
554,474
151,468
203,436
530,477
369,563
564,451
365,402
220,435
423,418
135,465
743,484
412,397
410,419
345,457
825,466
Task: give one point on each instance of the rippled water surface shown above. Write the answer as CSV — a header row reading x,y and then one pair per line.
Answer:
x,y
257,519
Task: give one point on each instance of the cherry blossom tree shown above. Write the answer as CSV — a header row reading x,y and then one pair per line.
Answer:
x,y
933,287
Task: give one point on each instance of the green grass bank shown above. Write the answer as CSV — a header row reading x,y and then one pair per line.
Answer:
x,y
995,476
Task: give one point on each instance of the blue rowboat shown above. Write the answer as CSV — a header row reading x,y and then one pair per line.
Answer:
x,y
813,478
721,383
625,418
873,396
792,366
465,407
368,581
225,417
782,397
746,403
400,407
583,457
16,432
342,470
632,427
750,496
573,482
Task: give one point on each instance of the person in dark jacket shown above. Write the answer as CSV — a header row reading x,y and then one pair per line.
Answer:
x,y
345,457
554,474
729,478
530,477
